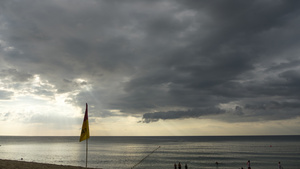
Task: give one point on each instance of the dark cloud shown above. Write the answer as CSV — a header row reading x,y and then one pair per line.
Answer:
x,y
152,59
265,111
15,76
153,117
292,78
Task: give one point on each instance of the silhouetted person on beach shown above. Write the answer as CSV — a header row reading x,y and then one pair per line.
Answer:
x,y
179,165
175,166
185,167
279,165
248,164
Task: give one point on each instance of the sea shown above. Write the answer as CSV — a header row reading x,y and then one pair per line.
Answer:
x,y
197,152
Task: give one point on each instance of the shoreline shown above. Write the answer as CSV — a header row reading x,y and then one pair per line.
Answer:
x,y
14,164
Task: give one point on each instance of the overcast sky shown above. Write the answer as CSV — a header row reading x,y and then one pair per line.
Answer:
x,y
150,67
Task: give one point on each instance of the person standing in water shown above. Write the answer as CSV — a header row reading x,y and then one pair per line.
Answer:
x,y
279,165
179,165
248,164
175,166
185,167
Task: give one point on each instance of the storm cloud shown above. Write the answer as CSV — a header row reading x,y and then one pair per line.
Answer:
x,y
230,60
153,117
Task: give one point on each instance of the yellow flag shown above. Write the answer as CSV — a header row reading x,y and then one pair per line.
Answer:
x,y
85,132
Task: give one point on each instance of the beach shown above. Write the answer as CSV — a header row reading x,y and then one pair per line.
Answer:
x,y
11,164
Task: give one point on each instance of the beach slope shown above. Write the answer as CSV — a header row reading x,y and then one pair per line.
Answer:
x,y
10,164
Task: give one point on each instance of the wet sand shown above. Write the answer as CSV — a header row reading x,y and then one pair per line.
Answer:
x,y
10,164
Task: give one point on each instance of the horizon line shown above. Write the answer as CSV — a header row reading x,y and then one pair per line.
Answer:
x,y
153,135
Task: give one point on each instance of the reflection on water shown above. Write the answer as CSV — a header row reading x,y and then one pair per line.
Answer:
x,y
125,152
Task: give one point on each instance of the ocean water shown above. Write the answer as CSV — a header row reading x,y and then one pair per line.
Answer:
x,y
201,152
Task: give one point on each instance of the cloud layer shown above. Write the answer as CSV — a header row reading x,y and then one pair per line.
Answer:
x,y
233,60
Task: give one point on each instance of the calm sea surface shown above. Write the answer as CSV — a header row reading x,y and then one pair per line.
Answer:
x,y
202,152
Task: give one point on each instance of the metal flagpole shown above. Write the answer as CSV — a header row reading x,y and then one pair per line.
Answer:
x,y
86,154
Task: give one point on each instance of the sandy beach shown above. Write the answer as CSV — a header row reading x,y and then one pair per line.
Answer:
x,y
10,164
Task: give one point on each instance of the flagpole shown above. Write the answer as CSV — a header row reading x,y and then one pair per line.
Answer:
x,y
86,156
85,133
